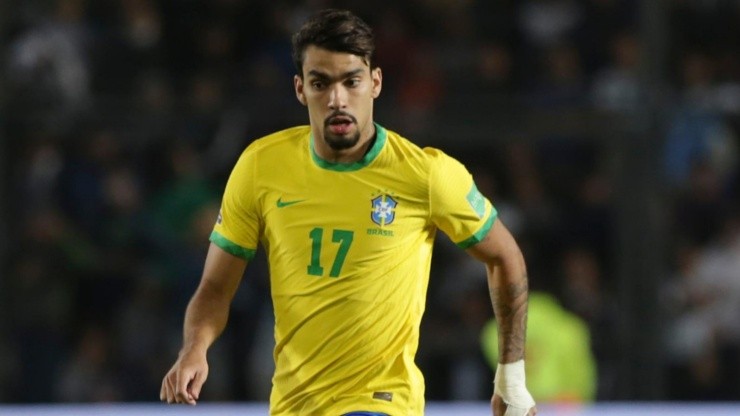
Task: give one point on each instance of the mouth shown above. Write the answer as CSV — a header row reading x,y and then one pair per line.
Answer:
x,y
340,124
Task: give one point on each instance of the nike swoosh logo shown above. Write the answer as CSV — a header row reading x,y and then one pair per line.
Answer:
x,y
283,204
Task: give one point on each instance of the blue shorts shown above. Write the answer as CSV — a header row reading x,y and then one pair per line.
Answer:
x,y
364,414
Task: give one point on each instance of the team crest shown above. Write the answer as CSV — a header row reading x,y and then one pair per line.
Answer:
x,y
383,210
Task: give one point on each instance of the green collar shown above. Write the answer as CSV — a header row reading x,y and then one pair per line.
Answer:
x,y
381,136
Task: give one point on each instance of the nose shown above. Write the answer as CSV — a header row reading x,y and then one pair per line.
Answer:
x,y
337,97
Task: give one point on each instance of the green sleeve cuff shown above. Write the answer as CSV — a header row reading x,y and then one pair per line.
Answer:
x,y
481,233
232,248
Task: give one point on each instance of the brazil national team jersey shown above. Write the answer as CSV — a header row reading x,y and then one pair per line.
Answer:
x,y
349,249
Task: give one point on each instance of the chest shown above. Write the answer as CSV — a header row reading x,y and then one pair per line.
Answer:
x,y
381,203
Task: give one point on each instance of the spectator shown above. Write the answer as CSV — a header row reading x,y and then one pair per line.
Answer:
x,y
89,375
50,62
617,87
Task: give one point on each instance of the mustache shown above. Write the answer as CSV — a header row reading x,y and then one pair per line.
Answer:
x,y
339,114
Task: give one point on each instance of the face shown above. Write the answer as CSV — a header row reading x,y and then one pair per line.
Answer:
x,y
338,89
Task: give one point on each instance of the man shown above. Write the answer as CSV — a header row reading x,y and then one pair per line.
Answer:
x,y
347,212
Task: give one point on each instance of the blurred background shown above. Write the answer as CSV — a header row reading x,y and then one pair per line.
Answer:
x,y
604,131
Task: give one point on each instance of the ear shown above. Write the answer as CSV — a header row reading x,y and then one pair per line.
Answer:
x,y
298,84
377,76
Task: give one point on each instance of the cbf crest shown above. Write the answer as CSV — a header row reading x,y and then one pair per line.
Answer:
x,y
383,210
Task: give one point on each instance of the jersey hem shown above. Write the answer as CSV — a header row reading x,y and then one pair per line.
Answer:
x,y
232,248
481,233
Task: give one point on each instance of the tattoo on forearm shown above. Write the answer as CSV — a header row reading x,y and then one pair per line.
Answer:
x,y
510,305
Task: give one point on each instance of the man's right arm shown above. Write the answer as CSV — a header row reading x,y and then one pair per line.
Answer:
x,y
205,319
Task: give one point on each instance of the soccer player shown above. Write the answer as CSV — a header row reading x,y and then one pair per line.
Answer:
x,y
347,212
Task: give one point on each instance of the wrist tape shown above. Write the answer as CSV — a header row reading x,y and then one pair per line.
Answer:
x,y
510,385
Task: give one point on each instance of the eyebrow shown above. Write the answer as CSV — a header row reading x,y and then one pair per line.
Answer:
x,y
325,76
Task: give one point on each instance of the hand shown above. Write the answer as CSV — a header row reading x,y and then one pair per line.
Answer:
x,y
183,382
500,408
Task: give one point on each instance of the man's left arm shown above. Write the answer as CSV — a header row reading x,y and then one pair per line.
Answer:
x,y
507,283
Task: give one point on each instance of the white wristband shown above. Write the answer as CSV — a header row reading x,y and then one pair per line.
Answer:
x,y
511,386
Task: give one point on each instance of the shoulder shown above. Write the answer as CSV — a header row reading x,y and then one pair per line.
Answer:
x,y
427,164
277,145
280,140
270,149
413,153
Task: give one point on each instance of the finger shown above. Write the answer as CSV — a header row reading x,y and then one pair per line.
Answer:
x,y
197,384
516,411
165,388
181,384
170,390
162,392
499,407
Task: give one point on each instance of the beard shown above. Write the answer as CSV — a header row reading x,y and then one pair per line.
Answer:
x,y
340,141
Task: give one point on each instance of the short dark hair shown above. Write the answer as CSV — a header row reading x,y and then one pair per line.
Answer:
x,y
336,31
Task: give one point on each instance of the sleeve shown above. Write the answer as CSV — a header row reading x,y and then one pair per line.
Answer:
x,y
456,205
238,227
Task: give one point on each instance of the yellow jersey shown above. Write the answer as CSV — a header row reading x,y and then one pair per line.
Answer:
x,y
349,249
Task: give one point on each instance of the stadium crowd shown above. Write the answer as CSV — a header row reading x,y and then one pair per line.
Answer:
x,y
122,119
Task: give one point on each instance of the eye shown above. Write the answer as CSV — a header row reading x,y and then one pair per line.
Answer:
x,y
352,82
317,85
